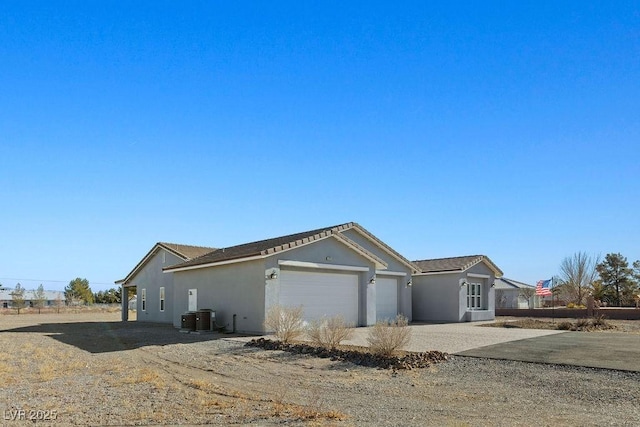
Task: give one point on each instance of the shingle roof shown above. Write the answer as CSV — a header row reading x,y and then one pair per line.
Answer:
x,y
186,252
461,263
270,246
504,283
5,295
260,247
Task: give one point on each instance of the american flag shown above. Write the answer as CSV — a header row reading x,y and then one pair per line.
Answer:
x,y
543,287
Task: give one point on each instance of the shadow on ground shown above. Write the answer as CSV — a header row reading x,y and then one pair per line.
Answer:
x,y
104,337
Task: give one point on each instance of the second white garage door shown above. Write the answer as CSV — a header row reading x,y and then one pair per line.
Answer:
x,y
386,298
321,294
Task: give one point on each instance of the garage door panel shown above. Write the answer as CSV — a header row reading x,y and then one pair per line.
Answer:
x,y
321,294
386,298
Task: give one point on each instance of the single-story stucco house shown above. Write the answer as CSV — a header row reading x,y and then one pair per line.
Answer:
x,y
155,288
51,298
511,294
458,289
339,270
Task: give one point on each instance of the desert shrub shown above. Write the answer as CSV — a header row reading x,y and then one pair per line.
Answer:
x,y
565,326
582,324
388,336
571,305
285,322
600,321
329,332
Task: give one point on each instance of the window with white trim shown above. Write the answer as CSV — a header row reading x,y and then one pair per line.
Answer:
x,y
143,299
474,296
164,257
162,298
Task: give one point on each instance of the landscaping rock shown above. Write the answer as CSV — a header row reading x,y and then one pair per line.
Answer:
x,y
406,361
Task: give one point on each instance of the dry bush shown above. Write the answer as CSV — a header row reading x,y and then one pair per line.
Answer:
x,y
285,322
565,326
600,321
387,337
582,324
329,332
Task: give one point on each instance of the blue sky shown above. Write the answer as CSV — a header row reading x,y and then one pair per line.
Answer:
x,y
510,129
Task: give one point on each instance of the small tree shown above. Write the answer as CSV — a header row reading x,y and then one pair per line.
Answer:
x,y
110,296
527,293
329,332
616,276
17,297
78,292
285,322
387,337
58,303
577,274
39,298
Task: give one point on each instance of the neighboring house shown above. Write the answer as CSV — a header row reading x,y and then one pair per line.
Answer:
x,y
50,298
154,297
339,270
458,289
509,294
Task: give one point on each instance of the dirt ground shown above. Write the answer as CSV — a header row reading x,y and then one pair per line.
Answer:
x,y
91,369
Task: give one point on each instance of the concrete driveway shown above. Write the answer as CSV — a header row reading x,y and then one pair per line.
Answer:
x,y
456,337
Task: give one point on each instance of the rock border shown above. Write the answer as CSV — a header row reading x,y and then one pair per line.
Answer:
x,y
407,361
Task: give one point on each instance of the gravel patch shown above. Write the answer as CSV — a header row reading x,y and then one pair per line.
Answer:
x,y
189,379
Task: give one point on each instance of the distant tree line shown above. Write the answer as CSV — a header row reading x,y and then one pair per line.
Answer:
x,y
77,292
611,280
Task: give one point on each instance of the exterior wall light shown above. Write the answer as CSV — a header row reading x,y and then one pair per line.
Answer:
x,y
273,275
372,280
409,284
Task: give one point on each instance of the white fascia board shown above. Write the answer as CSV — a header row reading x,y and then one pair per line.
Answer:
x,y
390,273
304,264
479,276
215,264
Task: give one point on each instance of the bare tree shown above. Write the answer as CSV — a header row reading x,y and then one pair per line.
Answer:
x,y
527,293
59,302
39,298
17,297
578,273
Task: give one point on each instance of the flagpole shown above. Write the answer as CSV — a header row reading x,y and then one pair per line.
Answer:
x,y
553,306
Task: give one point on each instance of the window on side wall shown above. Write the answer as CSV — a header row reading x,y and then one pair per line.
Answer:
x,y
162,299
143,299
474,296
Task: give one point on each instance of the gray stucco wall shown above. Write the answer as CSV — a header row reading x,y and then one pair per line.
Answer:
x,y
230,289
151,278
405,293
439,297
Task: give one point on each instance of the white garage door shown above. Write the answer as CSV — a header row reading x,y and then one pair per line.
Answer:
x,y
386,298
321,294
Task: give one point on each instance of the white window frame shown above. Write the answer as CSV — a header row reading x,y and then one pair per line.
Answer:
x,y
162,298
164,257
474,296
143,299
